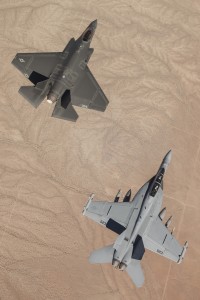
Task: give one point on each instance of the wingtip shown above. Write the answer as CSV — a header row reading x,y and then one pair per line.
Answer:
x,y
181,257
87,204
14,58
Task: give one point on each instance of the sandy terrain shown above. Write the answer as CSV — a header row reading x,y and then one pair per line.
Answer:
x,y
147,61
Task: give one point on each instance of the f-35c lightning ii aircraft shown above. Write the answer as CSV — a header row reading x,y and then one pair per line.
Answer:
x,y
63,77
139,225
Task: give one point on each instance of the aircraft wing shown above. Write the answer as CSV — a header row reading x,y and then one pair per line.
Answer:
x,y
160,240
37,66
113,215
87,93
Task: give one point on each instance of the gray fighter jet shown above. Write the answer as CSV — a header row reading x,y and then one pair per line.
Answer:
x,y
139,225
63,77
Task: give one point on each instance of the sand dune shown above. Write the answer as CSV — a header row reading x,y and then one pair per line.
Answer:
x,y
147,61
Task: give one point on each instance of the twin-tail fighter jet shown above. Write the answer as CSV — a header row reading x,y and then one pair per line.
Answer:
x,y
139,225
63,78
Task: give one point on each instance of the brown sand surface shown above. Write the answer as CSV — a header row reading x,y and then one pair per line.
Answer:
x,y
148,63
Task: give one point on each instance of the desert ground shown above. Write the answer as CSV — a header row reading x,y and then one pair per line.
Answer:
x,y
147,61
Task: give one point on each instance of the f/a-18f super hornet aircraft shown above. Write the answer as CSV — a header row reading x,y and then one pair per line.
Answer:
x,y
63,77
139,225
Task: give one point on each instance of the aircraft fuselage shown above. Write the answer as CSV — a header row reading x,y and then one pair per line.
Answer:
x,y
75,58
150,204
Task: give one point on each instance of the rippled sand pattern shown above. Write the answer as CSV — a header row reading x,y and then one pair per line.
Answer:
x,y
148,63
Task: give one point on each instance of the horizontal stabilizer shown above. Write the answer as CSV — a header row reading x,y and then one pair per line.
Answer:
x,y
135,271
32,94
68,113
102,256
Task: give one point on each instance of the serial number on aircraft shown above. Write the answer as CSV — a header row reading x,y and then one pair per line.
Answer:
x,y
103,222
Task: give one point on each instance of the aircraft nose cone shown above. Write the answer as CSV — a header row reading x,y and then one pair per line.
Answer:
x,y
94,24
168,157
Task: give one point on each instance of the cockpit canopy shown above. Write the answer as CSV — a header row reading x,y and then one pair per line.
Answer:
x,y
87,35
